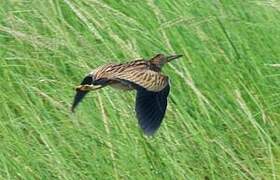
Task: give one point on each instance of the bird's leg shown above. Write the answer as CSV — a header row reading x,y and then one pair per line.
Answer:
x,y
88,87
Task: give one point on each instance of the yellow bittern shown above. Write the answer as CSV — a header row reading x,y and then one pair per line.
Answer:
x,y
142,75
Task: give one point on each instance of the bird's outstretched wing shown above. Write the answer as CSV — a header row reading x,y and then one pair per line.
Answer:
x,y
151,99
150,108
150,80
81,94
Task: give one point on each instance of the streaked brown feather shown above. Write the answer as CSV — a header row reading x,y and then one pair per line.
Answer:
x,y
143,75
138,72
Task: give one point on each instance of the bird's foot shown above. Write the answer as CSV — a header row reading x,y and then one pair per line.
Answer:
x,y
87,87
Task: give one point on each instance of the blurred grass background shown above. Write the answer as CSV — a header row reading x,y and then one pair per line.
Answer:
x,y
224,108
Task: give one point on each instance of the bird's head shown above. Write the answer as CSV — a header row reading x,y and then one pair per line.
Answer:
x,y
159,60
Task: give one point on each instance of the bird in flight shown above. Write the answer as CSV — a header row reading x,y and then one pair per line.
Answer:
x,y
144,76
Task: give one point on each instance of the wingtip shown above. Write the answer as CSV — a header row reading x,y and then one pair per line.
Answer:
x,y
149,133
77,99
72,109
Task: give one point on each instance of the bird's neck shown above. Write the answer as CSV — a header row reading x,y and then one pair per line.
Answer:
x,y
156,67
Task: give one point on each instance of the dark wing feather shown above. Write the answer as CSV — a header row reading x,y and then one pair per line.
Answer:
x,y
150,108
81,94
151,99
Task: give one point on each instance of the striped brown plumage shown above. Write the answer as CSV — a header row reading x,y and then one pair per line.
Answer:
x,y
142,75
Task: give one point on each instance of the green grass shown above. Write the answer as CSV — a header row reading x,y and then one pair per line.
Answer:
x,y
223,117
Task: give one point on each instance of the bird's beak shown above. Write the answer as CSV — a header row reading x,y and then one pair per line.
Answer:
x,y
171,57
